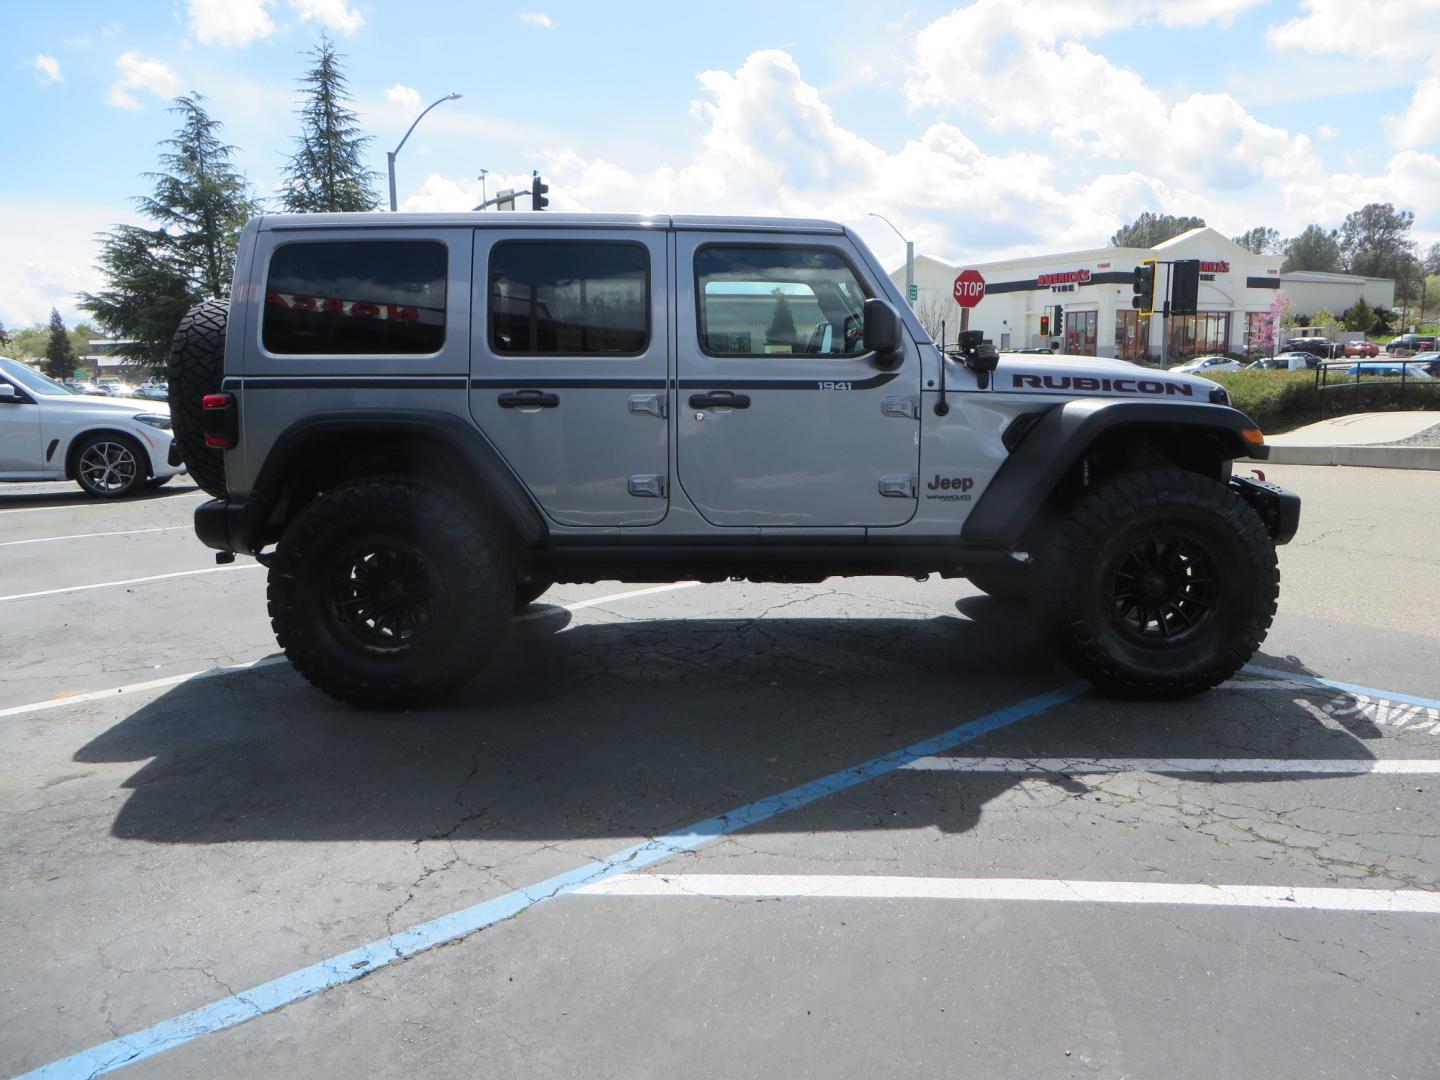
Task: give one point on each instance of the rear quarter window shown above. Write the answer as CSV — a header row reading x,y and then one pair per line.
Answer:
x,y
360,297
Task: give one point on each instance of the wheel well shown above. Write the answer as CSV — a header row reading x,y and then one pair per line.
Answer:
x,y
324,460
73,450
1126,448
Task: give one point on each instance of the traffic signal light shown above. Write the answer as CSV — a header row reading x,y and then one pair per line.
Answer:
x,y
1044,325
1185,287
538,188
1144,288
1059,319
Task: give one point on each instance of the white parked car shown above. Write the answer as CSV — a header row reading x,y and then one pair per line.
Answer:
x,y
1203,365
109,446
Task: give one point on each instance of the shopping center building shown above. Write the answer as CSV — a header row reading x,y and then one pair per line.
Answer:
x,y
1080,302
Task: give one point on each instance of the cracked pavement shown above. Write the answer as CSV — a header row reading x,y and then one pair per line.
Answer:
x,y
172,848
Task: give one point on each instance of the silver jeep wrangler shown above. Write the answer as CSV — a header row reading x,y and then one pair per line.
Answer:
x,y
419,422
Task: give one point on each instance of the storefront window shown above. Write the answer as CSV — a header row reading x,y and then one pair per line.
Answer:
x,y
1199,335
1081,331
1132,335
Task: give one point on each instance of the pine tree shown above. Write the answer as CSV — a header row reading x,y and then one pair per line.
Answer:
x,y
59,356
327,171
198,206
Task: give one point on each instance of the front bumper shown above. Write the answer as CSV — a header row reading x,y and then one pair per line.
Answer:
x,y
1278,507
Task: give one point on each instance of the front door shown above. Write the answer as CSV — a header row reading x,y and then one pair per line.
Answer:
x,y
19,432
569,369
783,418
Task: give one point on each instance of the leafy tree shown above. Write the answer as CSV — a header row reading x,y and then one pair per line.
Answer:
x,y
1360,316
59,355
327,171
1432,260
1150,229
1313,249
1375,241
781,330
1261,241
1385,320
1266,336
4,336
198,206
29,344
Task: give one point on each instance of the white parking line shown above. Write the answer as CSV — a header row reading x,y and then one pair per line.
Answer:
x,y
1177,766
80,503
1049,890
599,600
92,536
130,581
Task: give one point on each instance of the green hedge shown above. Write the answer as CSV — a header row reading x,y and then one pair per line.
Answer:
x,y
1282,400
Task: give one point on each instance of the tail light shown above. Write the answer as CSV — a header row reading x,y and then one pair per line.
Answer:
x,y
222,430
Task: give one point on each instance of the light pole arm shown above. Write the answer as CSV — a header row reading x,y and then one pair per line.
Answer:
x,y
391,154
909,258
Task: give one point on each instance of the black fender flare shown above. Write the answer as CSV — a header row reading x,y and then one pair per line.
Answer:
x,y
453,435
1057,441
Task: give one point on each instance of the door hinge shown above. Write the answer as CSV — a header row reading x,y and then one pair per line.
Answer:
x,y
648,486
898,487
895,405
654,404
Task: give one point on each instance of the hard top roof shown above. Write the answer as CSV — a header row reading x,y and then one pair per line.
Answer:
x,y
526,219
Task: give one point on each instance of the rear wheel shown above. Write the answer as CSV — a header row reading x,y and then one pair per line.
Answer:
x,y
1159,583
110,466
388,595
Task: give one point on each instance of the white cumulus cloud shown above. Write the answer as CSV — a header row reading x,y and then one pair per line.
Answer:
x,y
231,23
1372,29
537,19
336,14
407,97
47,68
142,73
1419,124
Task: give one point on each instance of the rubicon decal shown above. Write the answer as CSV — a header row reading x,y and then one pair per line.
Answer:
x,y
1095,384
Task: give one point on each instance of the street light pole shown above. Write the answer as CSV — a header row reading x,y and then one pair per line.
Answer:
x,y
909,259
390,155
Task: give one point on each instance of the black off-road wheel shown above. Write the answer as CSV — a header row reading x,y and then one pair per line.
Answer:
x,y
196,368
388,595
1159,583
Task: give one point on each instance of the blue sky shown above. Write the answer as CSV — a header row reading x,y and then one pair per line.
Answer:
x,y
982,130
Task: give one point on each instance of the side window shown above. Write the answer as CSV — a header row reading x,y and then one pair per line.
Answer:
x,y
356,297
791,301
569,298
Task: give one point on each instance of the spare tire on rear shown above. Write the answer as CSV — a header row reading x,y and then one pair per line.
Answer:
x,y
196,368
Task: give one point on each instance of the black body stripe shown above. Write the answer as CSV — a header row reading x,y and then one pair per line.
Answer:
x,y
721,382
343,382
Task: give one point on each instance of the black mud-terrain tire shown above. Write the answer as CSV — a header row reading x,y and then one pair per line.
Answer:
x,y
196,368
1160,583
528,589
387,594
110,465
1005,585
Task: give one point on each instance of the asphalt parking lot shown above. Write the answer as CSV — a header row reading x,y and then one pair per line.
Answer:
x,y
864,828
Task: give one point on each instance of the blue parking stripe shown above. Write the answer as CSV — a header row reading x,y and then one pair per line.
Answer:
x,y
357,963
1349,688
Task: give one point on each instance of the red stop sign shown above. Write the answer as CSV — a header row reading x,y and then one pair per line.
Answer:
x,y
969,288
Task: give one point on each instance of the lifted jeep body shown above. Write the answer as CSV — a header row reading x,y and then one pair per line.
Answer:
x,y
550,397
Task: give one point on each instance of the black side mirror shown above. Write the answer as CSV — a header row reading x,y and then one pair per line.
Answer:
x,y
881,334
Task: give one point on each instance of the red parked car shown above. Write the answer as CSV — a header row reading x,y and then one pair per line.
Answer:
x,y
1361,348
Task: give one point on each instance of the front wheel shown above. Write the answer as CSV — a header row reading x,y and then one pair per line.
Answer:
x,y
110,466
1160,583
386,594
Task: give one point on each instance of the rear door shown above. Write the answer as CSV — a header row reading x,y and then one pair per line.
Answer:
x,y
783,418
570,367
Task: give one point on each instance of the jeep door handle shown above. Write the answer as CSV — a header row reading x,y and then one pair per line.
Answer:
x,y
720,399
529,399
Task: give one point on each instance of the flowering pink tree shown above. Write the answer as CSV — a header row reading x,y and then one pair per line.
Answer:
x,y
1266,334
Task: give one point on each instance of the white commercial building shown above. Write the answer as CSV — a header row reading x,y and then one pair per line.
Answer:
x,y
1080,302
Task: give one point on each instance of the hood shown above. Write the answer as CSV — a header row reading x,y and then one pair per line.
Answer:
x,y
1084,376
130,405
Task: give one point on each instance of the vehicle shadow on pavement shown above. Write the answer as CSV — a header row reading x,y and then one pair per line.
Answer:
x,y
629,729
73,496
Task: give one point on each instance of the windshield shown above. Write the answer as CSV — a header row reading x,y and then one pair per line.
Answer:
x,y
34,380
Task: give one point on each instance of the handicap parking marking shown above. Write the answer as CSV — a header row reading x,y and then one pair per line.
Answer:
x,y
346,967
1043,890
1317,683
